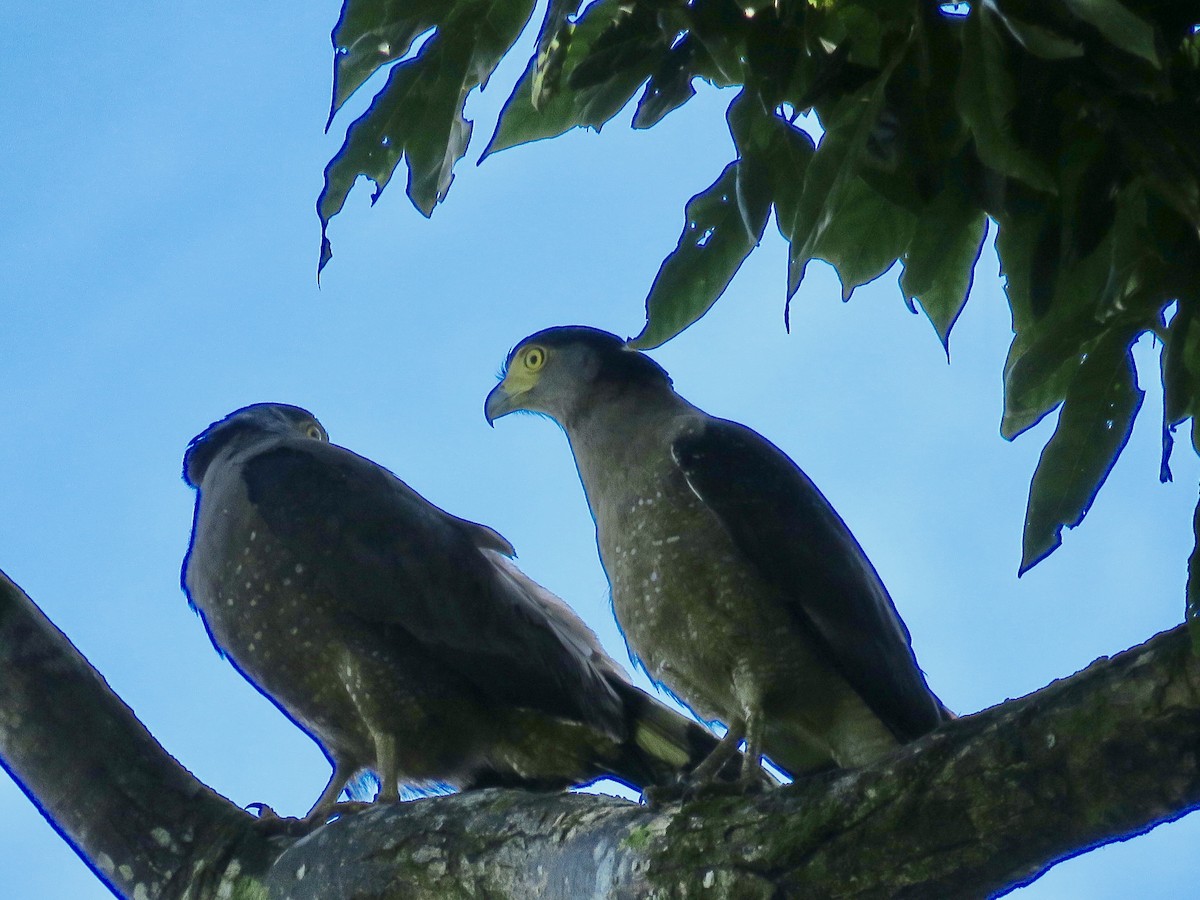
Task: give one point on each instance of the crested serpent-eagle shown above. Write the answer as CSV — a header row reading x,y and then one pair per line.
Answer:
x,y
398,636
734,581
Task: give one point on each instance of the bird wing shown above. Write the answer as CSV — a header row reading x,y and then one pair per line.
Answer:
x,y
392,558
796,541
566,623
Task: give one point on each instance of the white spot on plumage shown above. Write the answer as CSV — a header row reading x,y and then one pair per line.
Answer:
x,y
299,568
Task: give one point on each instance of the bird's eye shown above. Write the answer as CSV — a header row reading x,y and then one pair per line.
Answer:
x,y
535,358
313,430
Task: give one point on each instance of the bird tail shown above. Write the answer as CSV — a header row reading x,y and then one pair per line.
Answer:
x,y
661,746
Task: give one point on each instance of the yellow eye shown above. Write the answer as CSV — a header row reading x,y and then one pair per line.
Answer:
x,y
313,430
534,359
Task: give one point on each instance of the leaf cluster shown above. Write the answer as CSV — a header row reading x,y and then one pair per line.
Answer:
x,y
876,132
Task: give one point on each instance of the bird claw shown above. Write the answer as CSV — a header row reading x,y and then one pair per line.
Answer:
x,y
684,791
273,823
659,795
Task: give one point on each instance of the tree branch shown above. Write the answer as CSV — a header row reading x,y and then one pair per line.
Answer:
x,y
986,803
140,820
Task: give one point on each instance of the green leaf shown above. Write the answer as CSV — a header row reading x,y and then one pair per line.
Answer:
x,y
1180,366
669,87
1117,282
554,41
788,160
1038,376
1045,346
1193,583
864,30
371,34
779,150
831,184
419,113
1038,39
939,264
614,70
986,97
1160,143
1095,423
716,239
1120,27
866,234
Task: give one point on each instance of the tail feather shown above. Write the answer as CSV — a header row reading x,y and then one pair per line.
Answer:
x,y
662,746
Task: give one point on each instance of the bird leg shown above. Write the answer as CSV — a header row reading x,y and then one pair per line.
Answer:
x,y
701,780
712,765
754,777
385,768
325,806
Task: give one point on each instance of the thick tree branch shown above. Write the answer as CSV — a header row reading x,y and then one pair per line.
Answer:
x,y
987,802
143,823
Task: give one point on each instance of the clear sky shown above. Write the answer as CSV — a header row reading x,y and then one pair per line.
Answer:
x,y
158,170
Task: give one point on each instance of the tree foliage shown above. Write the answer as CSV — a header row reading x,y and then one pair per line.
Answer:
x,y
1073,125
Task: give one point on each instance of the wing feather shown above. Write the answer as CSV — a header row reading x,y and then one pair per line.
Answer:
x,y
393,558
796,541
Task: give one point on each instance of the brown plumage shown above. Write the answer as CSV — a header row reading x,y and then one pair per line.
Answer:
x,y
398,636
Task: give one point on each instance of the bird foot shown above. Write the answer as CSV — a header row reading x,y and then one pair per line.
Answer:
x,y
659,795
273,823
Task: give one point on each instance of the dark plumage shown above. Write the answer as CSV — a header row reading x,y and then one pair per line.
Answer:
x,y
734,581
397,635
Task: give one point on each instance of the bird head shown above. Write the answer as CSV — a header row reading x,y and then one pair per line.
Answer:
x,y
557,369
249,421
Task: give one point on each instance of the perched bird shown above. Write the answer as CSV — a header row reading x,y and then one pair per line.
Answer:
x,y
398,636
736,584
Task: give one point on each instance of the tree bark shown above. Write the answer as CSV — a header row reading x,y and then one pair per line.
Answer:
x,y
984,804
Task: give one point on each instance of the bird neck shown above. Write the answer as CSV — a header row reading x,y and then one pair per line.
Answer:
x,y
619,431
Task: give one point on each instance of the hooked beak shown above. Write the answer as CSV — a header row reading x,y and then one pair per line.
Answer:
x,y
499,403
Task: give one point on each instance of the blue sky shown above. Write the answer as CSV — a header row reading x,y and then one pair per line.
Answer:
x,y
159,171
